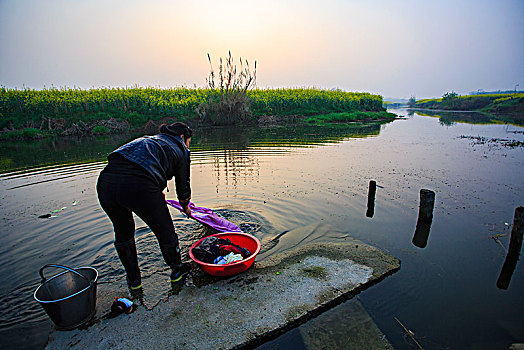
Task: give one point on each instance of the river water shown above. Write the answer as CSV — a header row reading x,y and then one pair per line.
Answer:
x,y
312,184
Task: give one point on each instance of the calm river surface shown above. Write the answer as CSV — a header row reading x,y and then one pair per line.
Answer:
x,y
313,183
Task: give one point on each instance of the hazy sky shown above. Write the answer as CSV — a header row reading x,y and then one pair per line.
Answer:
x,y
393,48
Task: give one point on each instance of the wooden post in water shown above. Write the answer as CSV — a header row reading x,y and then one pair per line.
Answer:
x,y
515,245
371,198
425,218
427,203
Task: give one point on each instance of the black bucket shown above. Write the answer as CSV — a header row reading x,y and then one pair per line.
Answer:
x,y
68,298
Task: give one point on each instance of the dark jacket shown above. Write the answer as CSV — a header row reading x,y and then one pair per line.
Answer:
x,y
162,156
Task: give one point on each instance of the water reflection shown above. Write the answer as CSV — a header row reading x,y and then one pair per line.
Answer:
x,y
49,174
515,245
38,153
425,218
371,199
234,166
449,118
510,263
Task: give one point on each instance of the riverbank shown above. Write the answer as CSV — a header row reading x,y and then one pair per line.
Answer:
x,y
33,114
507,104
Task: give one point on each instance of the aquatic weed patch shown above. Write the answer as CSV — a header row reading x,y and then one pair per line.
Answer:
x,y
491,141
317,272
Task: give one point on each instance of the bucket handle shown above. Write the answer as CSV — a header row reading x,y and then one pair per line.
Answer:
x,y
60,267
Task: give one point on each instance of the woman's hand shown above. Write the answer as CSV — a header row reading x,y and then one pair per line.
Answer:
x,y
187,210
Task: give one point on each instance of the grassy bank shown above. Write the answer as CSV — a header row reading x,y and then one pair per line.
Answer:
x,y
492,103
38,113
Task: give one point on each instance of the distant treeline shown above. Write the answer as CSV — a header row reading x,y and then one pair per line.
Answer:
x,y
389,104
65,111
493,103
482,92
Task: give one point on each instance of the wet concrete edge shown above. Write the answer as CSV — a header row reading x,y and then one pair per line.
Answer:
x,y
273,334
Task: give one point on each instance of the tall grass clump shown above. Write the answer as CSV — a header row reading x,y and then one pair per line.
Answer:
x,y
227,101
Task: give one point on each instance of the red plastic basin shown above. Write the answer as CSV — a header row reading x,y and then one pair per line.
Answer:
x,y
244,240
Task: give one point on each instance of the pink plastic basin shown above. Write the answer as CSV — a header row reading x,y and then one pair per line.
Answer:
x,y
244,240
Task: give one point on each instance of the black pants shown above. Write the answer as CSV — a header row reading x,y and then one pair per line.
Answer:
x,y
120,195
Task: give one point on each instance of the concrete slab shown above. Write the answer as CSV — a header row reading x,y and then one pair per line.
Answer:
x,y
277,294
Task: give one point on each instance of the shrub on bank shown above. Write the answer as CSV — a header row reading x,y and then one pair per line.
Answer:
x,y
100,130
23,134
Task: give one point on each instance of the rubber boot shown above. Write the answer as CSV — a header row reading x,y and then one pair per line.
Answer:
x,y
171,254
127,254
